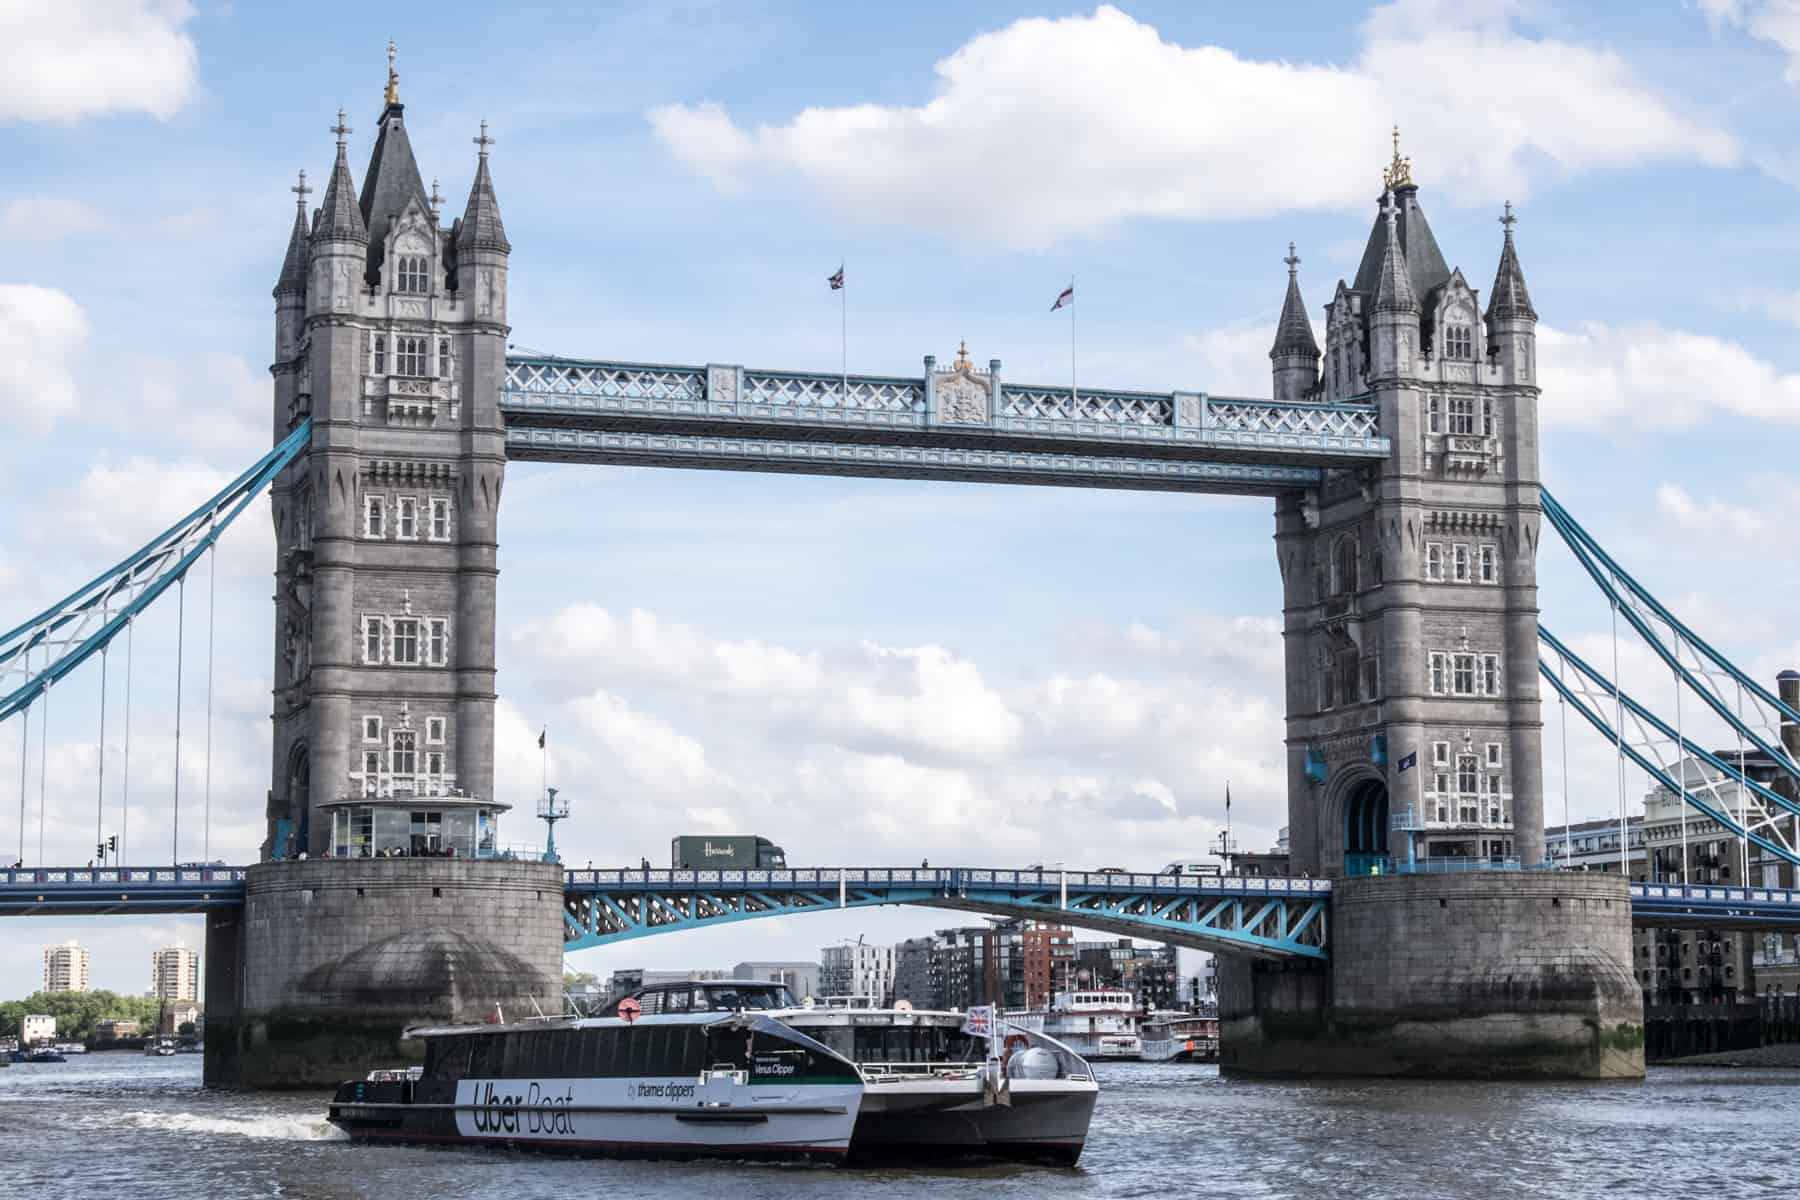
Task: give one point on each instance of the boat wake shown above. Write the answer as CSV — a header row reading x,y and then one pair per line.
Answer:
x,y
260,1128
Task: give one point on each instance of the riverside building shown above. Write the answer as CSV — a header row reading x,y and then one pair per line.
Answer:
x,y
66,967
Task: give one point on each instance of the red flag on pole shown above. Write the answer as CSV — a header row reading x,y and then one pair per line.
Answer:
x,y
1067,296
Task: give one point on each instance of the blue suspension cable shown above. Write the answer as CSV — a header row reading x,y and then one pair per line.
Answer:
x,y
180,638
125,782
1719,707
1657,773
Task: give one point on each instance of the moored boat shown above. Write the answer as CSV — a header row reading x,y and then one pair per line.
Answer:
x,y
1099,1024
1181,1037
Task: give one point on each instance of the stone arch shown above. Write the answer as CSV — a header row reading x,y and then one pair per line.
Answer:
x,y
297,779
1345,557
1356,820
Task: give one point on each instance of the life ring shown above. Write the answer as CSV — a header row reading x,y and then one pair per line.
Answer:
x,y
1016,1042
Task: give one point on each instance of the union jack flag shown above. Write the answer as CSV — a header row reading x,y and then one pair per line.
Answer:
x,y
837,280
1067,296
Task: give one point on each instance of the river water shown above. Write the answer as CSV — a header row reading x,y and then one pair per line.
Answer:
x,y
122,1125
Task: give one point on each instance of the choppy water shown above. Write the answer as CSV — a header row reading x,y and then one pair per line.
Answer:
x,y
124,1125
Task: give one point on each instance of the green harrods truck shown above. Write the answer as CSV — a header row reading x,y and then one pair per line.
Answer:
x,y
747,853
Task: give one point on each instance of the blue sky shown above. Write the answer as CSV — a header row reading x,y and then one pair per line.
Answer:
x,y
871,670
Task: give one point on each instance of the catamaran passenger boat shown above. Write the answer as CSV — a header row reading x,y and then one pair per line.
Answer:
x,y
734,1069
710,1075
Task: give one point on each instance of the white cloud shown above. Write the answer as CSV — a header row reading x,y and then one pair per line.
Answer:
x,y
1774,21
82,58
1710,517
877,752
1644,376
205,402
41,329
1053,127
1777,304
118,505
47,218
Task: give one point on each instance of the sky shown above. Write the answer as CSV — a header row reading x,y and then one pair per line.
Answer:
x,y
875,671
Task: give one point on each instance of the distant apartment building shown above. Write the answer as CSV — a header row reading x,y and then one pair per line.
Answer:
x,y
1148,972
857,969
1049,950
175,973
66,967
912,973
801,978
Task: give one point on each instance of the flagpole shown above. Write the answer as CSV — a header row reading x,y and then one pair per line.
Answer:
x,y
543,763
844,338
1074,392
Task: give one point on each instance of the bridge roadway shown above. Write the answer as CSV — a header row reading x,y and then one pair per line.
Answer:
x,y
1266,917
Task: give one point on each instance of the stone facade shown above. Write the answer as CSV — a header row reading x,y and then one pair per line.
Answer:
x,y
391,336
1469,975
1410,589
331,959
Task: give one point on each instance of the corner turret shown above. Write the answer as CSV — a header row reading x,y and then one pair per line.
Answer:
x,y
1295,354
1511,320
1394,315
340,239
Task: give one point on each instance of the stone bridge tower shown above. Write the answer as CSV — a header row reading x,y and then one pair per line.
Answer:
x,y
390,333
1410,589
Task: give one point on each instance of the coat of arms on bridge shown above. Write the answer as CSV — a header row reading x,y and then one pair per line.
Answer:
x,y
964,395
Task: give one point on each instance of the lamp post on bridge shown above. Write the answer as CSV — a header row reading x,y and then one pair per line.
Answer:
x,y
550,811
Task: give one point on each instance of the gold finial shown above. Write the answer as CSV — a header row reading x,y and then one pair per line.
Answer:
x,y
393,87
962,362
1398,173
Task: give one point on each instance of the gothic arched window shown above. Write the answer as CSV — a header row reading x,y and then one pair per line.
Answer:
x,y
1459,342
1343,563
412,276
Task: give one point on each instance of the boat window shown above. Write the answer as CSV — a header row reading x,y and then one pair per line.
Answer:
x,y
448,1058
675,1002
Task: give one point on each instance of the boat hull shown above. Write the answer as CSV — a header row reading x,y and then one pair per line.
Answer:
x,y
914,1123
597,1119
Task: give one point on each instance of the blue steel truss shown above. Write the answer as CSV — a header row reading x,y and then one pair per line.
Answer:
x,y
1258,917
69,632
602,907
733,418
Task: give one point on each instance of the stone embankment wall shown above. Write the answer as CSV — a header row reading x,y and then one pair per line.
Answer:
x,y
1499,974
332,958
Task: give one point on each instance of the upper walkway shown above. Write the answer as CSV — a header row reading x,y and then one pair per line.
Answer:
x,y
966,424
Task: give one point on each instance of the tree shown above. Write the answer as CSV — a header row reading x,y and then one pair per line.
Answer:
x,y
185,1029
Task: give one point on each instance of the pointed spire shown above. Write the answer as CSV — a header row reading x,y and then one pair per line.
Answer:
x,y
481,228
339,218
1393,289
1294,332
1509,299
299,255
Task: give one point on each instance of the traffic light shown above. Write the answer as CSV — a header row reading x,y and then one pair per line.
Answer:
x,y
112,842
99,849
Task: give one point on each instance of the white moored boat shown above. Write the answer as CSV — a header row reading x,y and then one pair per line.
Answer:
x,y
1099,1024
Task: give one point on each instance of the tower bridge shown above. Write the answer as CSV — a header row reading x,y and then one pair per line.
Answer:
x,y
1402,461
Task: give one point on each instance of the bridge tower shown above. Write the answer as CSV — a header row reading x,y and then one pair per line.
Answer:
x,y
1413,730
390,334
1410,588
